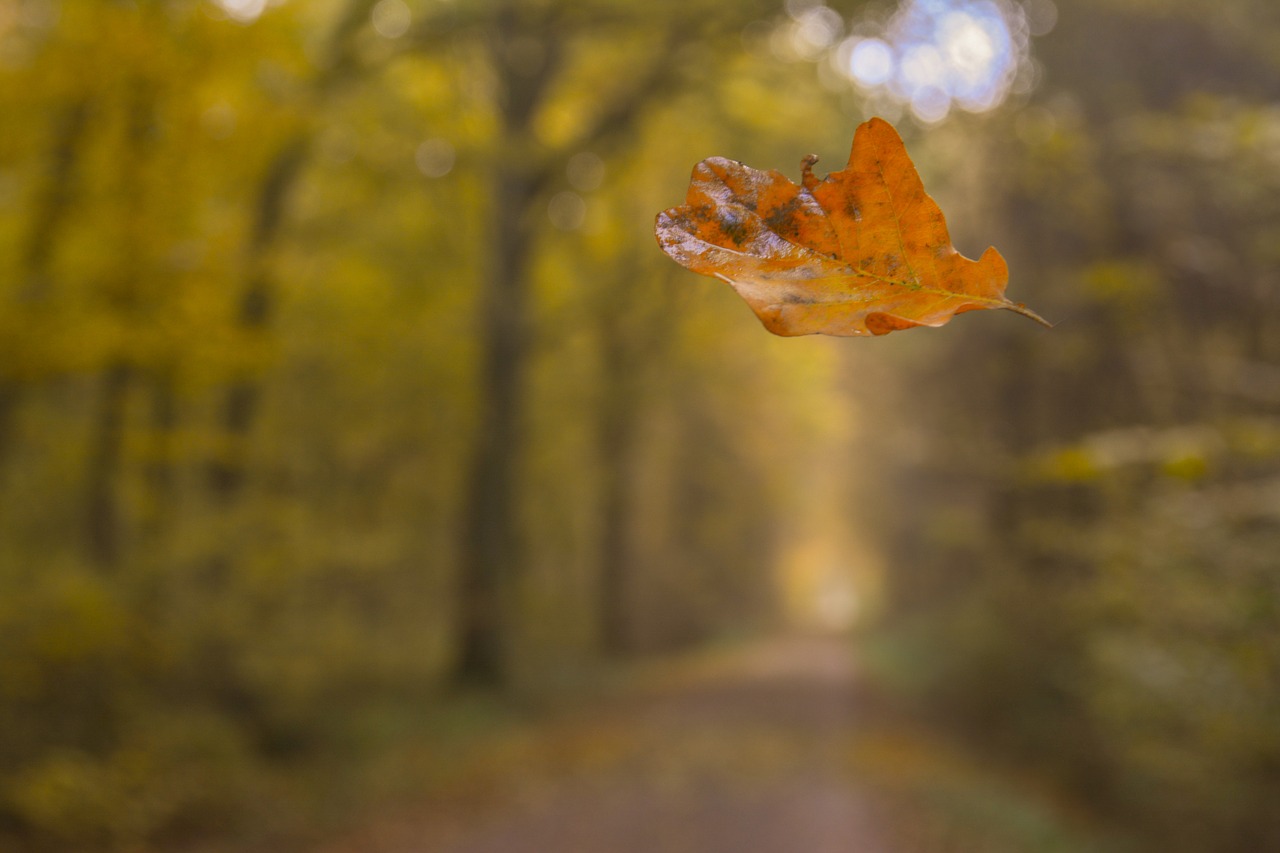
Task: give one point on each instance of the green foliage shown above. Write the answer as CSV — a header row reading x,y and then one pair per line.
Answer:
x,y
239,380
1107,619
176,772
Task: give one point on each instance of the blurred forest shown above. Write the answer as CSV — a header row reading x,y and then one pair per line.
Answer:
x,y
341,377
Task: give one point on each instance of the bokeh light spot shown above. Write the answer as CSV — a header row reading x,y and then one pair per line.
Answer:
x,y
243,11
930,104
391,18
219,120
585,171
567,211
1042,16
871,62
936,55
922,65
815,30
435,158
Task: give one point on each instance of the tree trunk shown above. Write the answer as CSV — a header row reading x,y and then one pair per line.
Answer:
x,y
103,533
489,550
102,516
490,553
8,415
617,441
632,338
159,470
227,472
47,218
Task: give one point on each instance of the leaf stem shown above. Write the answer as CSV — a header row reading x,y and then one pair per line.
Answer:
x,y
1019,308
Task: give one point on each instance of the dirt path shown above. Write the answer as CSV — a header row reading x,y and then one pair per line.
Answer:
x,y
747,753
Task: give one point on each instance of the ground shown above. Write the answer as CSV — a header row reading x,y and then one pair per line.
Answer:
x,y
766,748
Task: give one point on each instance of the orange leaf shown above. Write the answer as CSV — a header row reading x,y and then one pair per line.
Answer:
x,y
864,251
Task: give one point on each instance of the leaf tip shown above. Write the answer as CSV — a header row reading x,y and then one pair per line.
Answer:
x,y
879,127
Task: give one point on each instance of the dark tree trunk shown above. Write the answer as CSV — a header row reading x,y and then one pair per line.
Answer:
x,y
632,339
227,473
490,553
489,549
8,415
47,218
159,471
103,530
617,441
102,515
51,210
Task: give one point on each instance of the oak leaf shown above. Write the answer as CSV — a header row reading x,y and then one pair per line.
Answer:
x,y
864,251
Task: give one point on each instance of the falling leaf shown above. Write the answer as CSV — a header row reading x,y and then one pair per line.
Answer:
x,y
864,251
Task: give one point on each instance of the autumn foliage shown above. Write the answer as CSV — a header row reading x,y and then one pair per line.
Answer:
x,y
864,251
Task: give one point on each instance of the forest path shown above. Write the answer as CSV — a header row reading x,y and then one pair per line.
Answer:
x,y
741,752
